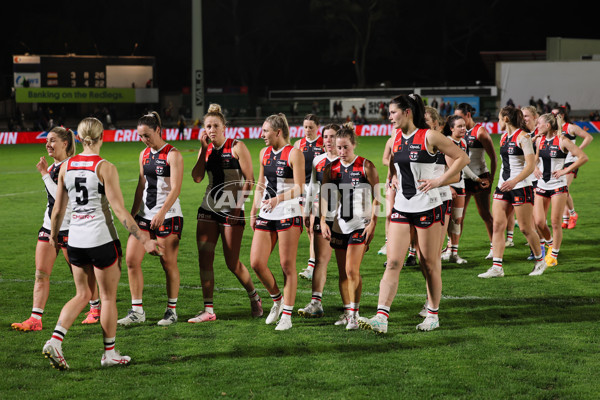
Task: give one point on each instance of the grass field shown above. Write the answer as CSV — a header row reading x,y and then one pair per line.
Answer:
x,y
517,337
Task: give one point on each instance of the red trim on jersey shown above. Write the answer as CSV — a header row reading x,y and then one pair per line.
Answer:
x,y
84,159
285,153
227,147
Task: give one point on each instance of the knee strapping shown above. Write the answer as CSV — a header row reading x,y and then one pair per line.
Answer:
x,y
41,275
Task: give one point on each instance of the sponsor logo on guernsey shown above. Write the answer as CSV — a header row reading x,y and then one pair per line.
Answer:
x,y
82,217
414,146
160,162
82,163
281,163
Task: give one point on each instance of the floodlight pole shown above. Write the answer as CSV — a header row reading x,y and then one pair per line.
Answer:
x,y
197,62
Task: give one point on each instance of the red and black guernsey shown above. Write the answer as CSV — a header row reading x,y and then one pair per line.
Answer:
x,y
462,144
471,138
53,172
347,179
319,168
550,151
565,131
155,166
509,148
217,161
310,150
407,151
276,166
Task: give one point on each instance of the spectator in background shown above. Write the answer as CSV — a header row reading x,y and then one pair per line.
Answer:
x,y
546,99
180,127
510,103
363,114
532,101
443,109
448,108
434,104
315,108
354,112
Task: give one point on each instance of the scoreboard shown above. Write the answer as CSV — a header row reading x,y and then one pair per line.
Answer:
x,y
74,71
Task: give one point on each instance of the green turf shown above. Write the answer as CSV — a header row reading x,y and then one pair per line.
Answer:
x,y
518,337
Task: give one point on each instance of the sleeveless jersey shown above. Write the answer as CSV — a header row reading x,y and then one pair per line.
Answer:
x,y
513,159
476,151
157,172
310,149
91,219
552,158
413,161
314,188
354,193
279,178
438,170
51,182
462,144
573,138
224,178
532,177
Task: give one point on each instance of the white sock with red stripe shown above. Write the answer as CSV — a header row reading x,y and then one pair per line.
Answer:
x,y
109,346
287,312
383,311
209,307
316,296
37,313
57,336
497,262
137,305
509,235
347,309
172,304
311,264
432,312
354,308
253,295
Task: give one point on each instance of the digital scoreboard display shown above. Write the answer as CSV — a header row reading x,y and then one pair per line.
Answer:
x,y
71,71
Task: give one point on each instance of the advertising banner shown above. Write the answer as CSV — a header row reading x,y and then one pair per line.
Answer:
x,y
74,95
251,132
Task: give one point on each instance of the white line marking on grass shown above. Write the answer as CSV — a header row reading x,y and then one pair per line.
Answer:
x,y
20,193
41,190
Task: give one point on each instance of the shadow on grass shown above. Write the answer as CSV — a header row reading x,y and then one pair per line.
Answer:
x,y
316,348
467,313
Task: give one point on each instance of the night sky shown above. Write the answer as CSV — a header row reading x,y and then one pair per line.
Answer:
x,y
277,44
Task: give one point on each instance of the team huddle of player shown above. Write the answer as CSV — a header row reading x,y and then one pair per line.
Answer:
x,y
319,184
